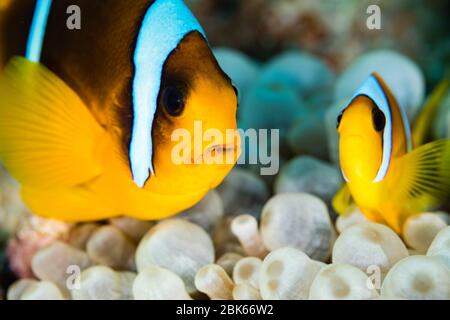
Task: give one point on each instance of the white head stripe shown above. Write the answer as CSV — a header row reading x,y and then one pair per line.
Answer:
x,y
372,89
37,30
165,24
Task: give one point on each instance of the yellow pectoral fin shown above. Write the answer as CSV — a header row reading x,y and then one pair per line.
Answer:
x,y
422,179
48,137
342,200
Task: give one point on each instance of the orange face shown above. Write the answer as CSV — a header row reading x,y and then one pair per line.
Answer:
x,y
194,133
361,140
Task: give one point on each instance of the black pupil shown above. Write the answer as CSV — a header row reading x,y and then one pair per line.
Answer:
x,y
173,101
379,120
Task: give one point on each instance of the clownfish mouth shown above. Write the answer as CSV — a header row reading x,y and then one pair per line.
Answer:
x,y
218,154
220,148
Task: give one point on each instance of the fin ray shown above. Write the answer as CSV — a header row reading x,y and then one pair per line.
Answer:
x,y
48,137
424,177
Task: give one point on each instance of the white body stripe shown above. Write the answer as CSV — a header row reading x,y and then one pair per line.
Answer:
x,y
372,89
37,30
165,24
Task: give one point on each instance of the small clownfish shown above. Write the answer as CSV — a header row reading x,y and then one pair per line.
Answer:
x,y
86,116
386,177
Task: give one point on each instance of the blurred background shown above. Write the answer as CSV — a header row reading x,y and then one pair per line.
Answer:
x,y
334,30
296,62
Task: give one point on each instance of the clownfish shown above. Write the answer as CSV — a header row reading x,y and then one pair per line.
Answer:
x,y
86,116
388,179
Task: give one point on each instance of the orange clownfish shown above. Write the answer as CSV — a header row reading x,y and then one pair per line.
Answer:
x,y
86,116
386,177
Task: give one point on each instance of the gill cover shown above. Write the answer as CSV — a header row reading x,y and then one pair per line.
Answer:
x,y
165,25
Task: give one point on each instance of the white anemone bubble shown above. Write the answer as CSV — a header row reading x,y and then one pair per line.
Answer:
x,y
155,283
110,247
43,290
132,228
366,245
287,274
246,271
440,247
417,278
52,262
103,283
420,230
351,216
246,292
298,220
16,290
176,245
342,282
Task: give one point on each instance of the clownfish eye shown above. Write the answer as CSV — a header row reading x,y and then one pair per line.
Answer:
x,y
173,100
378,119
339,119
